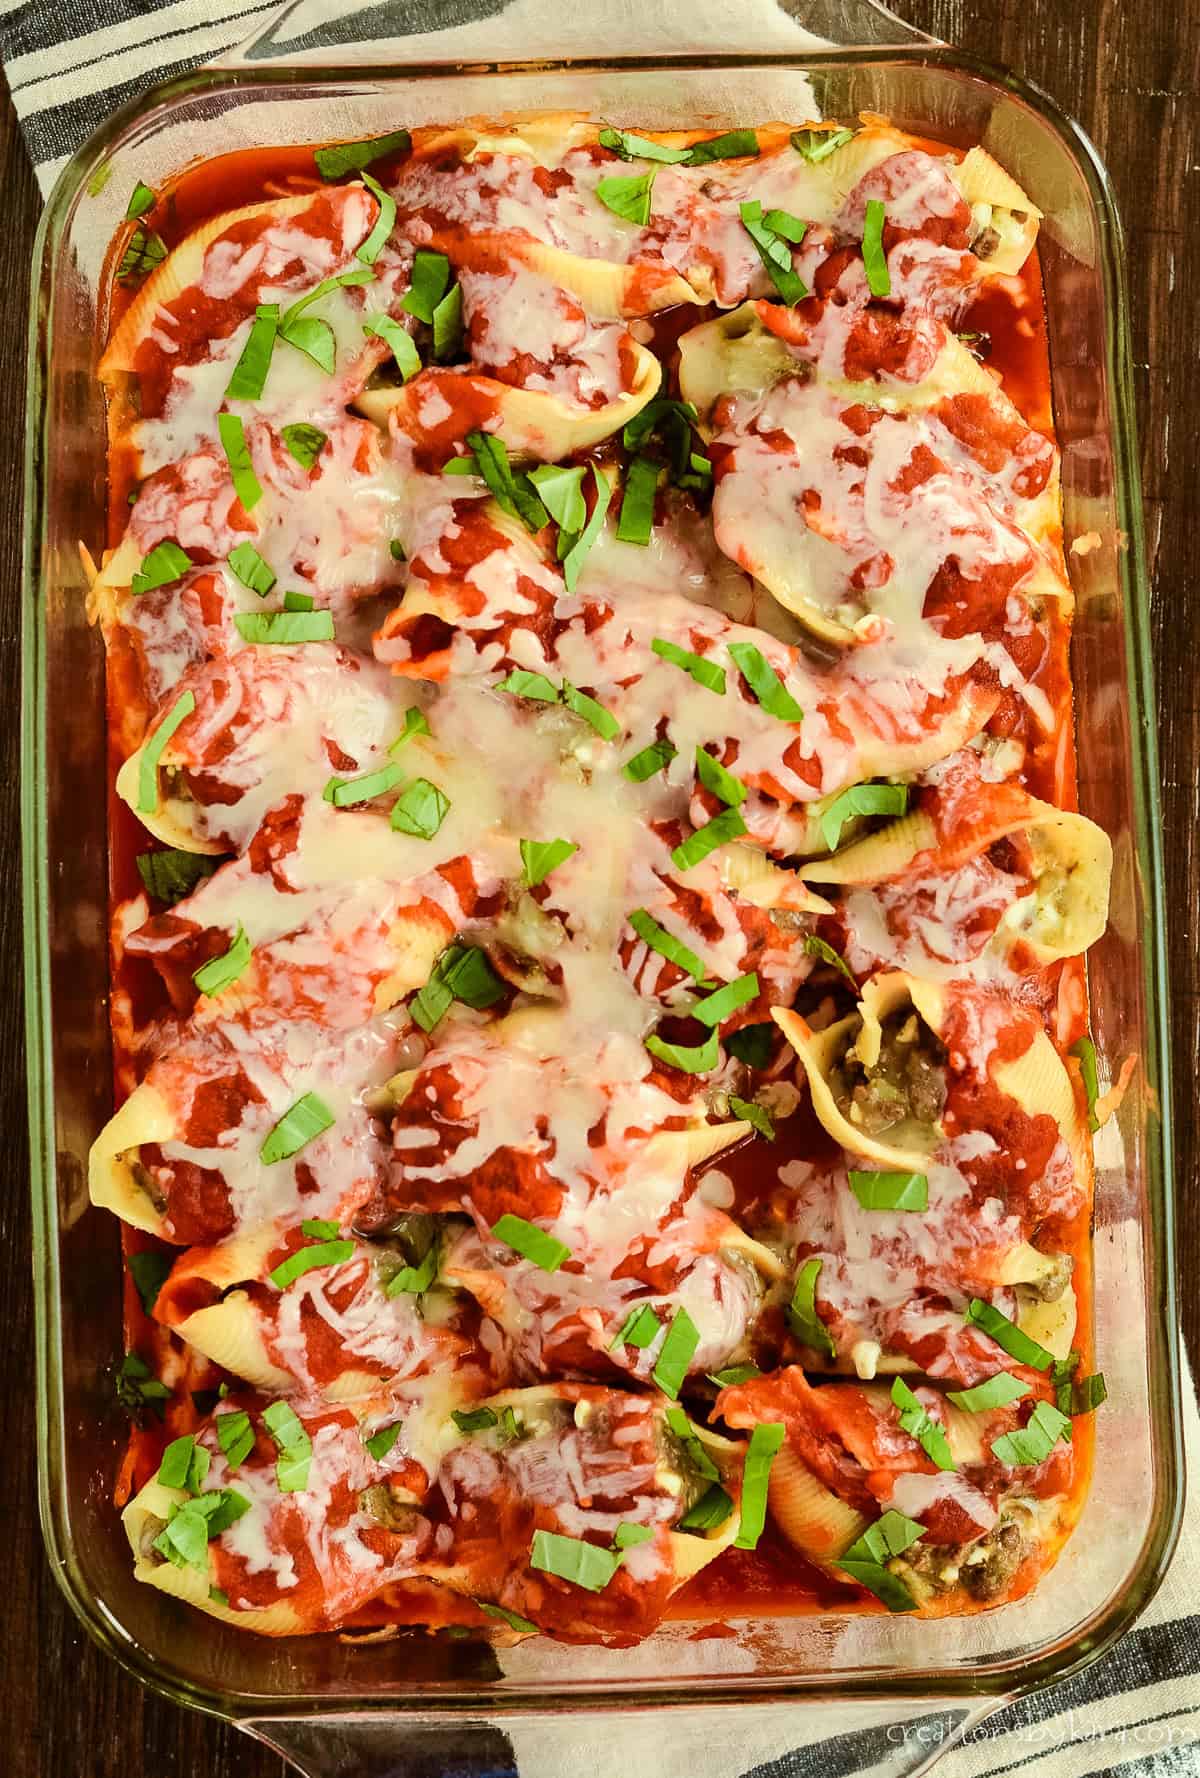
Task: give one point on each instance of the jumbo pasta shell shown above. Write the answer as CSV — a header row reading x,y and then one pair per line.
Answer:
x,y
812,1518
1051,1324
754,878
152,1504
173,821
229,1333
112,1182
534,426
182,268
1039,1082
817,1051
1000,207
733,355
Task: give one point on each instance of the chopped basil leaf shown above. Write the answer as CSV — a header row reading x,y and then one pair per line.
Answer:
x,y
294,1445
627,1536
676,1353
235,1435
320,1228
712,1509
399,342
447,325
414,1280
293,601
775,253
149,1270
890,1191
184,1464
818,145
153,748
1087,1394
396,550
251,570
707,673
303,441
137,1390
879,279
377,240
165,563
532,1243
765,1441
221,972
473,1419
1085,1053
420,810
642,1327
921,1425
752,1045
285,628
170,876
602,720
357,275
246,484
570,1558
540,857
308,1118
308,1259
733,145
316,339
144,253
415,723
715,1007
629,197
718,832
513,494
513,1619
1007,1335
561,492
636,519
640,148
576,556
764,682
802,1315
250,371
143,200
756,1115
861,799
817,947
650,760
380,1443
733,1375
689,1059
865,1560
1033,1442
344,793
529,685
666,944
462,972
715,777
788,227
996,1392
352,157
430,282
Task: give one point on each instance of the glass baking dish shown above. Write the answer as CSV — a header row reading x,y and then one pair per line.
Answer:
x,y
343,1709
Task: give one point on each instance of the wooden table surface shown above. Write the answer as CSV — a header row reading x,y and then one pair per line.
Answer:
x,y
1130,73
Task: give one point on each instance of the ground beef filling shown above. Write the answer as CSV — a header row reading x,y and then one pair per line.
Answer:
x,y
906,1085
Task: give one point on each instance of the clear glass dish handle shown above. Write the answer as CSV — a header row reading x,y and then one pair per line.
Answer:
x,y
902,1743
312,33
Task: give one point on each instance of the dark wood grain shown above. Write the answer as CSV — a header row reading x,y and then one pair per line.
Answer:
x,y
1130,73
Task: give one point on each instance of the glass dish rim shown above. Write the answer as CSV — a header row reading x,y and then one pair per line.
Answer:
x,y
997,1680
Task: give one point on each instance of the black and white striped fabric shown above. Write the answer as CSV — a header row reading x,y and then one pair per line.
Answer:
x,y
1137,1712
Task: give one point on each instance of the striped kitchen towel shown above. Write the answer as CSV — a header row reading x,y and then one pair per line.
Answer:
x,y
1137,1711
